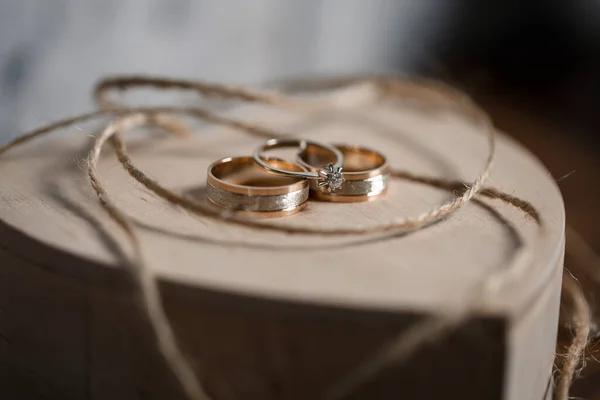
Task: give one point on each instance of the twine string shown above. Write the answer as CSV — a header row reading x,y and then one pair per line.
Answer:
x,y
405,343
574,358
397,350
390,88
431,95
146,277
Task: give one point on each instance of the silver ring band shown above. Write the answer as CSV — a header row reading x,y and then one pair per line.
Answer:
x,y
329,177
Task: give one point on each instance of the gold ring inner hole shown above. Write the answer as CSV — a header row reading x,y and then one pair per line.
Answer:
x,y
244,171
356,159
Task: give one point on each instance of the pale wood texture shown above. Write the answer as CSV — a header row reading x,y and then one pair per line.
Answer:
x,y
273,316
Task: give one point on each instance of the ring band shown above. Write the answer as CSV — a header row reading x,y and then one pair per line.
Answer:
x,y
239,184
329,177
366,173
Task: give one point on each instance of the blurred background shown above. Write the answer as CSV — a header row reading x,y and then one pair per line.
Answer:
x,y
534,66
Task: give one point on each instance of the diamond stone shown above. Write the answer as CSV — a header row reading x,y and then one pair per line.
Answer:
x,y
334,181
331,177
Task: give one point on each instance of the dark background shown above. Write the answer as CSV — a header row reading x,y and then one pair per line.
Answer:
x,y
535,66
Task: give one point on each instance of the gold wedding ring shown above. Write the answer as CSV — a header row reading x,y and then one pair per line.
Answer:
x,y
365,172
241,185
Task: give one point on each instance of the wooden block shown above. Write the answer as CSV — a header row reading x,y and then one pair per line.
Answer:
x,y
273,316
44,331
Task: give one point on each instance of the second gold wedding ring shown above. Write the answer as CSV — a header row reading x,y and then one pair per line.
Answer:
x,y
366,173
240,185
